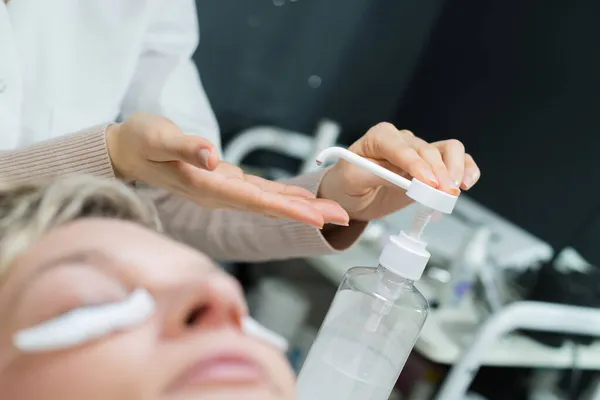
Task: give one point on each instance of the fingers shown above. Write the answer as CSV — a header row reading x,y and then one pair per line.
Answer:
x,y
227,187
297,209
472,173
453,154
443,165
280,206
331,211
384,142
194,150
168,143
314,212
236,193
437,161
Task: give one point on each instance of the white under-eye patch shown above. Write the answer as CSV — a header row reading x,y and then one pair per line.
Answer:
x,y
86,323
252,328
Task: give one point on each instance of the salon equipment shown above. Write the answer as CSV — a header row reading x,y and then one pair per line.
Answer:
x,y
279,305
576,288
377,313
535,316
293,144
465,268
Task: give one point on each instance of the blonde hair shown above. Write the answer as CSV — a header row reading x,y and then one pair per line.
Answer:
x,y
31,209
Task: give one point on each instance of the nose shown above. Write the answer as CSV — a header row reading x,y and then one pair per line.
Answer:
x,y
213,302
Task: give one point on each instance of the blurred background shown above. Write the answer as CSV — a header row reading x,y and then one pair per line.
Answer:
x,y
516,81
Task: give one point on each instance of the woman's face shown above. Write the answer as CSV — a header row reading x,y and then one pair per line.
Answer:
x,y
191,348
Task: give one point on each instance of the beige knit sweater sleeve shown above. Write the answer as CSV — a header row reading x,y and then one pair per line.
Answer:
x,y
221,234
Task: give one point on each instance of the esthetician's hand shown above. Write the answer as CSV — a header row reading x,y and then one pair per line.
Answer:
x,y
152,149
443,165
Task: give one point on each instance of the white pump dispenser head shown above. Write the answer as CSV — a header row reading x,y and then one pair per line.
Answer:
x,y
405,254
415,189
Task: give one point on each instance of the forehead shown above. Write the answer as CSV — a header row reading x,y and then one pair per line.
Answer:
x,y
119,239
138,253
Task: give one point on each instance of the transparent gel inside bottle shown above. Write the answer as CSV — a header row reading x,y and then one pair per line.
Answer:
x,y
368,333
377,313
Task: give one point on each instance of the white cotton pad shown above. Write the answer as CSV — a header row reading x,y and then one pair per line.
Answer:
x,y
85,324
252,328
89,323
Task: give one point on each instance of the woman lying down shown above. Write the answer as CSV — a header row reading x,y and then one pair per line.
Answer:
x,y
96,304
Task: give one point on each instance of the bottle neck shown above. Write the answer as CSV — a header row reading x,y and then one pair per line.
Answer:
x,y
405,256
394,279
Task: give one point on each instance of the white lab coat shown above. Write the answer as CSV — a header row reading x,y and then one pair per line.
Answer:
x,y
70,64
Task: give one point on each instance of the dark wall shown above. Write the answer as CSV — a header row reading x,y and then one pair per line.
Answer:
x,y
517,81
256,59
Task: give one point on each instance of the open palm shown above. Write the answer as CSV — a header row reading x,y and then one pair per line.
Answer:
x,y
152,149
227,186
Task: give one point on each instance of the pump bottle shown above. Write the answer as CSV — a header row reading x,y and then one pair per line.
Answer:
x,y
377,313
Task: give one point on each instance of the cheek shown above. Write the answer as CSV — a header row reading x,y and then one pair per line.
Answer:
x,y
281,371
113,368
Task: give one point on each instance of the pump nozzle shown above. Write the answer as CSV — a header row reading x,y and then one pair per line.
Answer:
x,y
404,254
415,189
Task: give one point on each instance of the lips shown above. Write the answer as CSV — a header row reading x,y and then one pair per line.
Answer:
x,y
223,369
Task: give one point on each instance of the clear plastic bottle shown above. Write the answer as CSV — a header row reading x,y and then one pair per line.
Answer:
x,y
377,313
367,336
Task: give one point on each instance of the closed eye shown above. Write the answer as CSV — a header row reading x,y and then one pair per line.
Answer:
x,y
66,288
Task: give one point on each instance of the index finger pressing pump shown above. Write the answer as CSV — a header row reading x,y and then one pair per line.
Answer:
x,y
377,313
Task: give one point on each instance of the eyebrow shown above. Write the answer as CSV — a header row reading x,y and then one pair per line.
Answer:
x,y
87,255
92,256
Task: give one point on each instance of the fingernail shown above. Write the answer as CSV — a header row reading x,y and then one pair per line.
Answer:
x,y
454,184
467,182
205,156
470,179
429,175
340,223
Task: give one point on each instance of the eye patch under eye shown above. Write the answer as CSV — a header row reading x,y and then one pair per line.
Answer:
x,y
86,324
251,327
